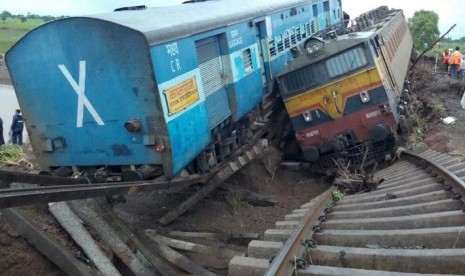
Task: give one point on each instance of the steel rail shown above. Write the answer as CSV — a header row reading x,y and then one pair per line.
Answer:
x,y
442,173
283,264
27,196
8,177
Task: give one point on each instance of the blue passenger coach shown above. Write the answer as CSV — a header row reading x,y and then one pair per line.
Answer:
x,y
155,86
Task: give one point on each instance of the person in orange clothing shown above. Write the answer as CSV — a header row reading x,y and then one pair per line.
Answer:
x,y
445,59
455,62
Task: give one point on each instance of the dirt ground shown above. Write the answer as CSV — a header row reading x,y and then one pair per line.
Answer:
x,y
4,76
226,209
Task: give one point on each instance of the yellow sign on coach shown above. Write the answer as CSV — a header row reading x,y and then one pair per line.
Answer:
x,y
181,95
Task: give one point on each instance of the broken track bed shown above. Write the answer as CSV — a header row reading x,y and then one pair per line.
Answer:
x,y
413,223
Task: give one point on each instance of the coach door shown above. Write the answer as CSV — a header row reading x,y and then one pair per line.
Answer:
x,y
262,41
213,80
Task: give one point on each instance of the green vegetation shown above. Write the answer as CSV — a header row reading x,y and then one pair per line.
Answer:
x,y
424,28
11,154
15,26
439,48
337,195
12,29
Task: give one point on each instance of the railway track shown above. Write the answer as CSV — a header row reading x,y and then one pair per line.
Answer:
x,y
413,223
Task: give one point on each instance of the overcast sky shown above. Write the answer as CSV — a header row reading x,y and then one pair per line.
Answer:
x,y
450,11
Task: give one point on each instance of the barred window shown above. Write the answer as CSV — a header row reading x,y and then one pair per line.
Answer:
x,y
247,58
346,62
272,47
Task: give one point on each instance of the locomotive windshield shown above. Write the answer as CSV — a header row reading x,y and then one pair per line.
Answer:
x,y
346,62
300,79
323,71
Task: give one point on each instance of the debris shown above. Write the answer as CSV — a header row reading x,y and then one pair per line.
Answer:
x,y
449,120
73,225
173,256
223,173
215,236
352,183
85,209
189,246
45,244
177,244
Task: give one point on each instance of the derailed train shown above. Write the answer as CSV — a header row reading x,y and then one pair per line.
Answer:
x,y
343,94
167,87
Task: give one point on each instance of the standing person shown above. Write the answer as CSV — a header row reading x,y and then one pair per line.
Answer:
x,y
445,60
17,128
455,62
2,141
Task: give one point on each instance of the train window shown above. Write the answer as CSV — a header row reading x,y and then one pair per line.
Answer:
x,y
299,80
293,39
293,12
272,47
326,6
346,62
280,46
298,36
247,58
315,10
286,42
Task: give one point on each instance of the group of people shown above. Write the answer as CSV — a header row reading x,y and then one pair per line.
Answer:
x,y
454,63
16,129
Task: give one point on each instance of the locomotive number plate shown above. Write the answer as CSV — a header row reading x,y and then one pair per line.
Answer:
x,y
181,95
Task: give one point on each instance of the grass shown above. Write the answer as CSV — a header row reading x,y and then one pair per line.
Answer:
x,y
12,29
438,50
11,154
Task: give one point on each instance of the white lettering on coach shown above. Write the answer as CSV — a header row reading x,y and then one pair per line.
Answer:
x,y
173,50
373,114
80,90
236,39
312,133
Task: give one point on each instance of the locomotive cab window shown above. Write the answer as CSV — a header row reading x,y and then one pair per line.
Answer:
x,y
298,80
346,62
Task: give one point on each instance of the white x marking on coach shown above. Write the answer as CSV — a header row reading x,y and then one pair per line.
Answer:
x,y
80,90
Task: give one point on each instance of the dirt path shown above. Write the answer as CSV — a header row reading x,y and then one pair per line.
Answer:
x,y
4,75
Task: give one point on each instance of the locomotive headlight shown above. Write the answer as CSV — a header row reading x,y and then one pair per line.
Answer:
x,y
307,116
313,46
312,49
364,96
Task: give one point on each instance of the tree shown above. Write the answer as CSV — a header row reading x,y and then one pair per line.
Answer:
x,y
424,28
22,18
6,14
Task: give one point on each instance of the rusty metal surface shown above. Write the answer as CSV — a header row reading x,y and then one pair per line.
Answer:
x,y
26,196
8,177
282,263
